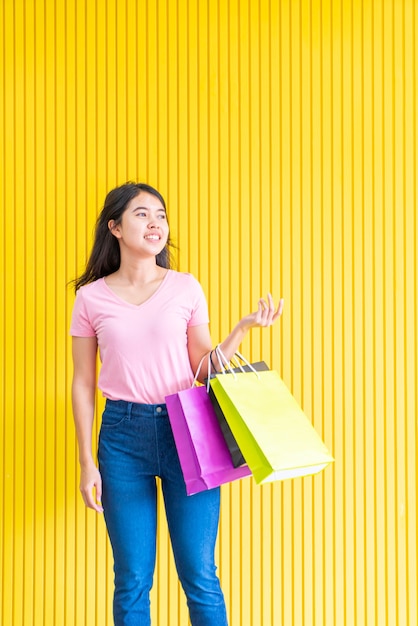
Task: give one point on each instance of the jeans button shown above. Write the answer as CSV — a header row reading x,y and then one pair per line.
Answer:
x,y
158,409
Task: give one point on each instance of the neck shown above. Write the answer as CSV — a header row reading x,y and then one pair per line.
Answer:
x,y
142,271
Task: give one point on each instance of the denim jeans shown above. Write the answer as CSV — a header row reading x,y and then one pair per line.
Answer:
x,y
136,445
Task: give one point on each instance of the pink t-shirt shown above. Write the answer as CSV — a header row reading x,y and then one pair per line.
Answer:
x,y
143,349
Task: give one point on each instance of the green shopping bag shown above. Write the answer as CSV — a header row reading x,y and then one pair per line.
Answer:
x,y
275,436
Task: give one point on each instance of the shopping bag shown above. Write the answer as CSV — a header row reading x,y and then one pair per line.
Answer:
x,y
204,456
234,449
275,436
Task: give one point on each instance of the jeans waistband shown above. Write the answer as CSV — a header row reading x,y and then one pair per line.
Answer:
x,y
136,408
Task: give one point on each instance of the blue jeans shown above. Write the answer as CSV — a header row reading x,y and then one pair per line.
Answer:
x,y
136,445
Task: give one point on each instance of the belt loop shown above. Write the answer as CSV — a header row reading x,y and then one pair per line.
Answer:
x,y
129,410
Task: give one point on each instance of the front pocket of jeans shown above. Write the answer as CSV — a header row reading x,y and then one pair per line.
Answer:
x,y
113,420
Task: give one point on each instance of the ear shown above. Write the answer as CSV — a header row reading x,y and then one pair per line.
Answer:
x,y
114,228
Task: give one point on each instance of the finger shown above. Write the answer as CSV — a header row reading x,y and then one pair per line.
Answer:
x,y
267,310
99,496
271,310
92,504
279,310
264,312
98,507
260,313
90,501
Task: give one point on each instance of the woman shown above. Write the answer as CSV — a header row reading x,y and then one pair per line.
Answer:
x,y
150,324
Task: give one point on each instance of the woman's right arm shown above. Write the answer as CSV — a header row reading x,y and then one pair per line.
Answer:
x,y
83,398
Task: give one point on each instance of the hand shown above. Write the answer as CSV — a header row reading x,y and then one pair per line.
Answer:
x,y
265,315
91,480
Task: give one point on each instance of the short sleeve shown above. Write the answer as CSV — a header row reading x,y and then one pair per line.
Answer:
x,y
80,322
199,314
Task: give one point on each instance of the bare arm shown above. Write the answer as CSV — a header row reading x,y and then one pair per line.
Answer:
x,y
200,344
83,398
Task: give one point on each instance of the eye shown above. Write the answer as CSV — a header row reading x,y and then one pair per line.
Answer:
x,y
162,216
141,214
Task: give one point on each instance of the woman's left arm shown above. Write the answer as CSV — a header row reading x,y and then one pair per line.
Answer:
x,y
199,340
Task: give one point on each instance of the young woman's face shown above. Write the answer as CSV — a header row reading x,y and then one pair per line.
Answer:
x,y
144,226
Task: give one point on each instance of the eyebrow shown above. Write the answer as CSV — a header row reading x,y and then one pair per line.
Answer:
x,y
144,208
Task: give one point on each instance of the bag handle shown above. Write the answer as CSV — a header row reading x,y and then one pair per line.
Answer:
x,y
226,365
209,357
196,376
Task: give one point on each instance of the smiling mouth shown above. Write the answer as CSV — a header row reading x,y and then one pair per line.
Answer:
x,y
153,237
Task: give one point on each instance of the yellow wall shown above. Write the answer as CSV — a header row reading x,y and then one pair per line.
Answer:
x,y
283,134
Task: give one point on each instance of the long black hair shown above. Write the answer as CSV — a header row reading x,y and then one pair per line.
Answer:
x,y
105,255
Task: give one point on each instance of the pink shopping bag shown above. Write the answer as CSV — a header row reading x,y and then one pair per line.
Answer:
x,y
204,456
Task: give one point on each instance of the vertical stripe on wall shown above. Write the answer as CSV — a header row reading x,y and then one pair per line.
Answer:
x,y
283,135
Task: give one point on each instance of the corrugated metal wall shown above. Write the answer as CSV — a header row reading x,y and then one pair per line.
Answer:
x,y
283,134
